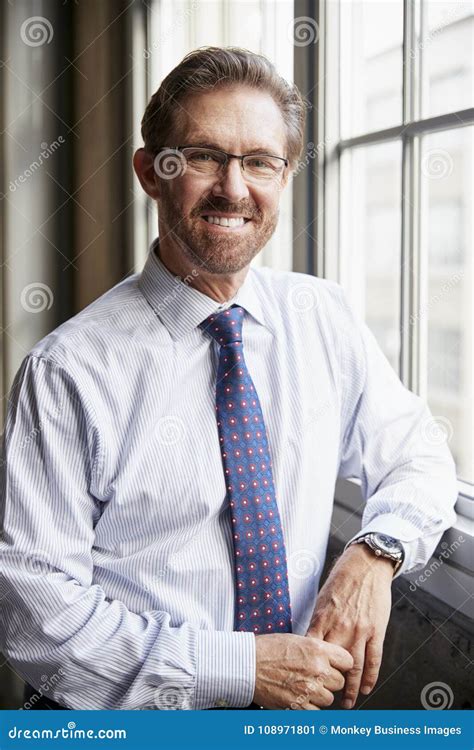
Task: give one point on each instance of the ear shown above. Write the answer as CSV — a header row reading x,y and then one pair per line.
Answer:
x,y
145,171
284,179
286,176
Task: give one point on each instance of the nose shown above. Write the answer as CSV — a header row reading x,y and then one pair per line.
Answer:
x,y
230,183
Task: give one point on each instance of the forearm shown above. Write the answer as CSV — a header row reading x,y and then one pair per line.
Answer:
x,y
352,610
395,446
407,509
112,658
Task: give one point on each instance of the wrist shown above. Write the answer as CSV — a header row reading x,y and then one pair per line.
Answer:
x,y
382,546
364,553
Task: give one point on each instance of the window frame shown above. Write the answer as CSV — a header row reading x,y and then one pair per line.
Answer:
x,y
323,248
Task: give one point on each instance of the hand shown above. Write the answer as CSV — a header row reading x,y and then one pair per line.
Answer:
x,y
352,610
298,672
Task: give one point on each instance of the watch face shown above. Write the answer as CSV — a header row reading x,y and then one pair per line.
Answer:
x,y
387,543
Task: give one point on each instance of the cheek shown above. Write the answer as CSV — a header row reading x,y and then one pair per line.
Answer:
x,y
187,194
269,205
177,197
267,200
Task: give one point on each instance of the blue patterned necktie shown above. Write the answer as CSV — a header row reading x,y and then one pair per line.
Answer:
x,y
262,593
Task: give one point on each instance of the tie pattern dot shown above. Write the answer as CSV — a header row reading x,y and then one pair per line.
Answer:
x,y
262,592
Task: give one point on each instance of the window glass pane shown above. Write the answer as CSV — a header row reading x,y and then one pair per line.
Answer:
x,y
371,66
371,239
447,52
446,310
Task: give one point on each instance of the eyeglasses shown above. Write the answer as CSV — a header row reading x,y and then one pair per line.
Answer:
x,y
211,161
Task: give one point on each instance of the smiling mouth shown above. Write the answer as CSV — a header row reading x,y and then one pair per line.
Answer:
x,y
234,222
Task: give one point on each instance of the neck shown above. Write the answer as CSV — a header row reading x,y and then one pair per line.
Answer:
x,y
219,287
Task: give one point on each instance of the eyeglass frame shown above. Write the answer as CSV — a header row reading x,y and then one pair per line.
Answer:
x,y
227,155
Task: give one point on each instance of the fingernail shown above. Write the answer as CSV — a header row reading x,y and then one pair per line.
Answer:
x,y
365,689
347,703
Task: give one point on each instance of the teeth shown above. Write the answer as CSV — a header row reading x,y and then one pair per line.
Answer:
x,y
224,222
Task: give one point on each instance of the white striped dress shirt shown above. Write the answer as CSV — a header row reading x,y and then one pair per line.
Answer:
x,y
116,552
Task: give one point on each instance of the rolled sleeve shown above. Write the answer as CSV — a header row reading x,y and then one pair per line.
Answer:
x,y
407,474
416,549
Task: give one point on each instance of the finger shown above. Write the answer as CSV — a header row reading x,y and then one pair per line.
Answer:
x,y
316,629
322,697
333,680
310,707
373,660
338,656
353,677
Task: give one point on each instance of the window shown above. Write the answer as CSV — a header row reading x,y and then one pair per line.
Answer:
x,y
371,66
399,82
371,181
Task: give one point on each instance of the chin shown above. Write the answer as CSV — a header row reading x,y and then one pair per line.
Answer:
x,y
220,257
224,265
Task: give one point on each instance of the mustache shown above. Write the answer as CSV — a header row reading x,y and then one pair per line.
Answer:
x,y
231,208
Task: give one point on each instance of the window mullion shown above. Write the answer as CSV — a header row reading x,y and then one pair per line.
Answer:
x,y
332,202
410,257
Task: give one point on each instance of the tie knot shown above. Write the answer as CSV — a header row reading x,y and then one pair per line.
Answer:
x,y
226,326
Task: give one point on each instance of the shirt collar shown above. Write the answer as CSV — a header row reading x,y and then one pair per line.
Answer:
x,y
180,306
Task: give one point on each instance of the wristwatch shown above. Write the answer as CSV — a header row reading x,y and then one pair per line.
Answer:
x,y
383,546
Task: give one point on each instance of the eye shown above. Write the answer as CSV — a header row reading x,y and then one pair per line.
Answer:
x,y
202,157
257,162
262,163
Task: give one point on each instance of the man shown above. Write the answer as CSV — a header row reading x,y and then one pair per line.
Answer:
x,y
171,452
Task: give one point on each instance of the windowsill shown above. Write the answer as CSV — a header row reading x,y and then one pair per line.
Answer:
x,y
449,580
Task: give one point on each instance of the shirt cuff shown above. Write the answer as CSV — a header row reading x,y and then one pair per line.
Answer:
x,y
404,531
226,669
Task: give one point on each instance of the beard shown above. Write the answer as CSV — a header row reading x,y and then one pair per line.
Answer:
x,y
203,247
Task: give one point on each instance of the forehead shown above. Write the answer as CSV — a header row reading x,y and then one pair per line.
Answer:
x,y
232,118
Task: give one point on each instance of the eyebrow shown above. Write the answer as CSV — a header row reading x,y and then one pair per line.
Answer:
x,y
210,144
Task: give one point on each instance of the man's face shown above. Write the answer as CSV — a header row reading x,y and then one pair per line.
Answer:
x,y
238,120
